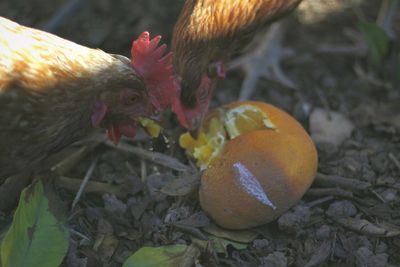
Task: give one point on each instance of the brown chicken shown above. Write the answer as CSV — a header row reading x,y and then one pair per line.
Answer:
x,y
53,92
205,36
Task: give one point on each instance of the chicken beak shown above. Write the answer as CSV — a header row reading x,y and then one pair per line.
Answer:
x,y
195,127
194,133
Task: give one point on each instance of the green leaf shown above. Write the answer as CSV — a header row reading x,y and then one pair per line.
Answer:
x,y
165,256
220,245
241,236
36,238
377,40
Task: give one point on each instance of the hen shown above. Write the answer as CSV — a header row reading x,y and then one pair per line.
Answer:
x,y
53,92
205,35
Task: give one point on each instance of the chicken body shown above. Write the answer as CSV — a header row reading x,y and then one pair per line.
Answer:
x,y
205,35
53,91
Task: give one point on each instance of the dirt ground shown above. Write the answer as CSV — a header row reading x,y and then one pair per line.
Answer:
x,y
351,214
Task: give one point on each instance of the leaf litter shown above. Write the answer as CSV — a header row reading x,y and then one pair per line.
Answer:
x,y
144,193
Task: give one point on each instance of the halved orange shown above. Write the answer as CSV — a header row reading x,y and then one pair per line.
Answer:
x,y
258,162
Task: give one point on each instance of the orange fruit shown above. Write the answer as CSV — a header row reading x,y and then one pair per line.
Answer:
x,y
258,161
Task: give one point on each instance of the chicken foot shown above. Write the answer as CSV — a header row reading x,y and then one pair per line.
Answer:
x,y
264,61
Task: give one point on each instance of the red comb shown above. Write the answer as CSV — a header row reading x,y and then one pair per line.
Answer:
x,y
154,66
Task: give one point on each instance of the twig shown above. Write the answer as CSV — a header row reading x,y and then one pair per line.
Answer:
x,y
337,192
368,228
335,180
143,170
92,187
131,168
319,201
164,160
395,160
370,77
84,182
333,246
72,231
378,196
65,165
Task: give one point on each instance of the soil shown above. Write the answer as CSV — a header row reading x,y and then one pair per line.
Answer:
x,y
351,214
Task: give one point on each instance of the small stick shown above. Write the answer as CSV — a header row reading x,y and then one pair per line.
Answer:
x,y
337,192
73,184
164,160
333,245
378,196
143,170
84,182
72,231
131,168
319,201
395,160
70,161
335,180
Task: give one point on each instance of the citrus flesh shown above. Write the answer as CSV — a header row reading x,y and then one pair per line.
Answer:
x,y
221,126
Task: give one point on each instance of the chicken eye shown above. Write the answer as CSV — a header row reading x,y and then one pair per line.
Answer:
x,y
131,99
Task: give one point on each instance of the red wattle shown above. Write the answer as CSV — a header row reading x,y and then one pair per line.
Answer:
x,y
128,130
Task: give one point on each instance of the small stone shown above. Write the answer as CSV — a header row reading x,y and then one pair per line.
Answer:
x,y
389,194
276,259
323,232
366,258
341,209
292,221
260,243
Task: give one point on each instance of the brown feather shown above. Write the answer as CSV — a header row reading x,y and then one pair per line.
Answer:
x,y
209,30
48,87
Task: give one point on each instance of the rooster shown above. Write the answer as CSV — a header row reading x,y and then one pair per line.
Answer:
x,y
54,92
206,34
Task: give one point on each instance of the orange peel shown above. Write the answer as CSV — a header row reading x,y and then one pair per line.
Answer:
x,y
258,161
